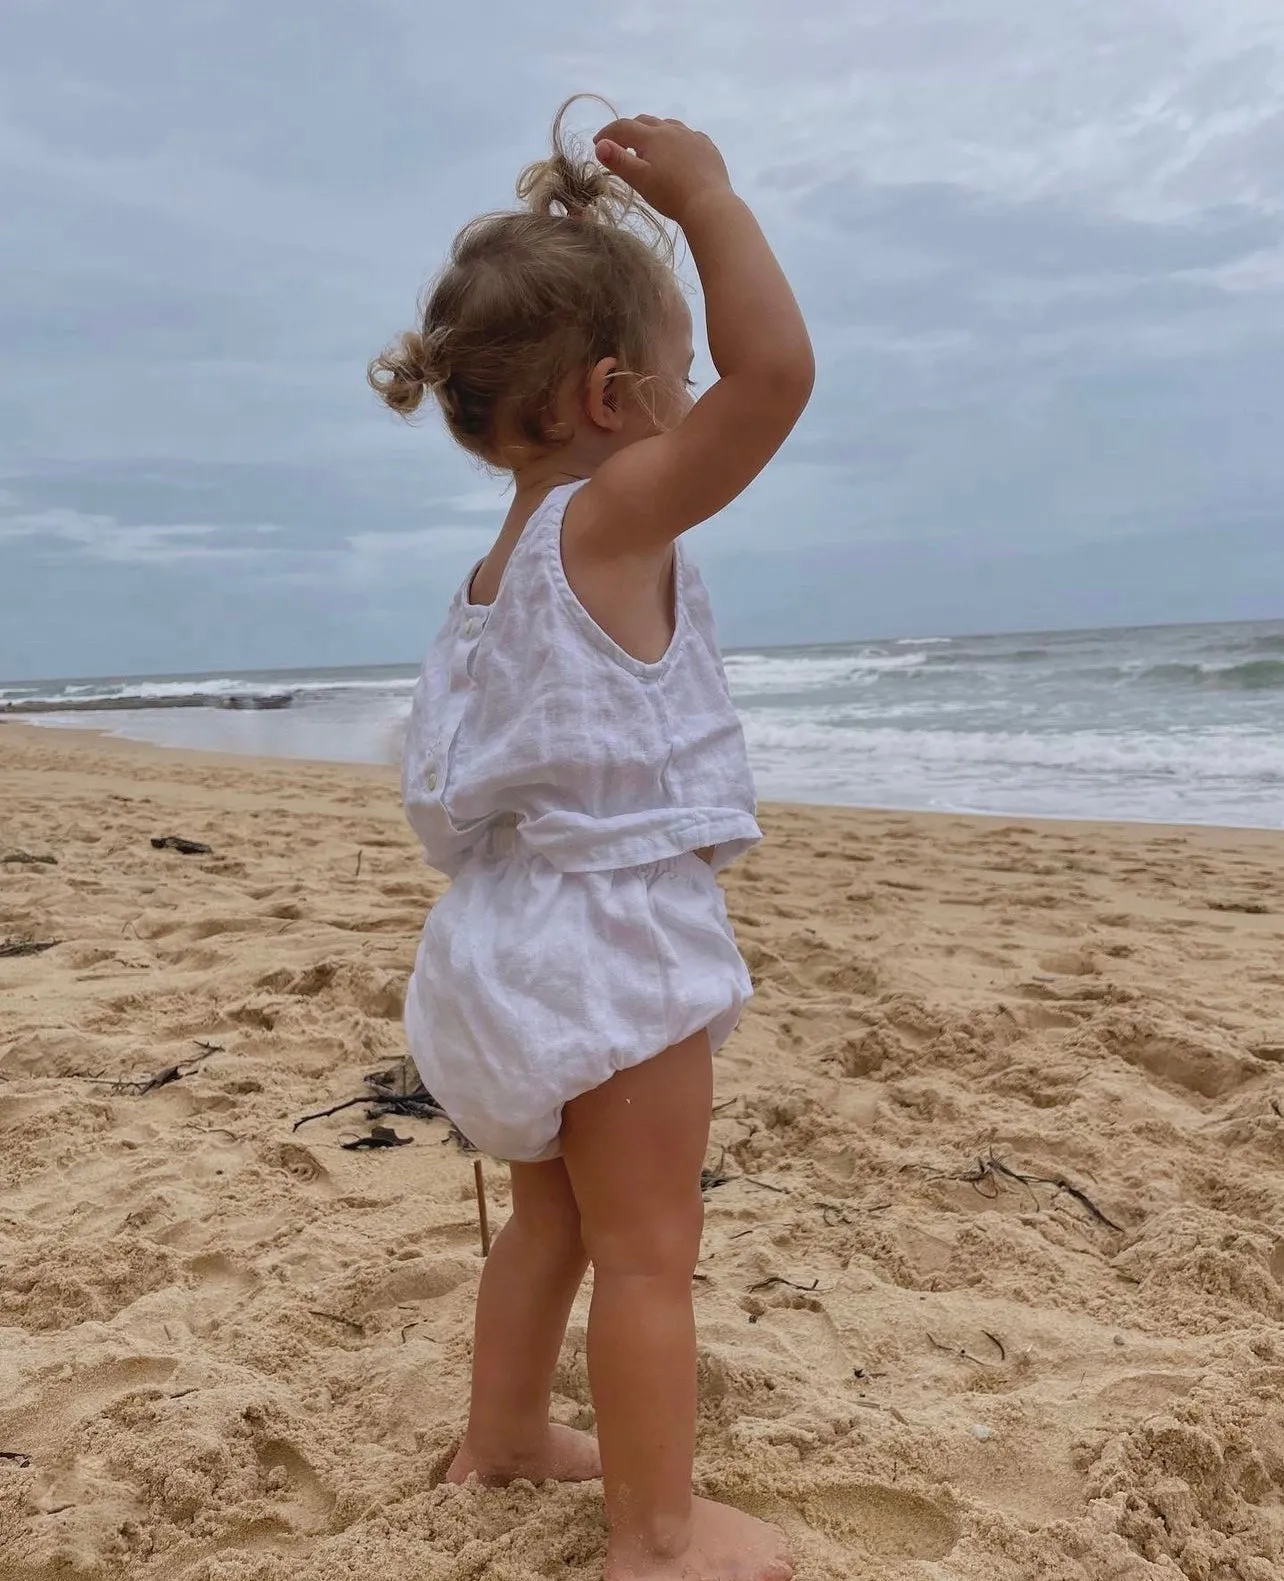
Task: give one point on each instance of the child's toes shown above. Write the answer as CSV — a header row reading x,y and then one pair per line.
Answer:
x,y
565,1456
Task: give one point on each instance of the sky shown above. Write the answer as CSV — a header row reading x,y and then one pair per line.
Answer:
x,y
1040,248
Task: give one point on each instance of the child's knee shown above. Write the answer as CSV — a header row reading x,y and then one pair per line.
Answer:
x,y
647,1243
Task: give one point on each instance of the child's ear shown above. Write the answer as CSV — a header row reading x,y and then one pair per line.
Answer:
x,y
603,395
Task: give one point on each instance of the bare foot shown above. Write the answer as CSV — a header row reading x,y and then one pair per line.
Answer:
x,y
565,1456
726,1545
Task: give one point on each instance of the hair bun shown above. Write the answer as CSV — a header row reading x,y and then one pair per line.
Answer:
x,y
408,370
571,183
563,185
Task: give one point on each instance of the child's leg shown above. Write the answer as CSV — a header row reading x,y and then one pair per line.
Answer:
x,y
529,1282
634,1149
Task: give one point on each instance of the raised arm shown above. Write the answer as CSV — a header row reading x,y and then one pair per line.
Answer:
x,y
656,489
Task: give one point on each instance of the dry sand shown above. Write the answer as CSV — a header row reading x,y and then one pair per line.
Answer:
x,y
236,1352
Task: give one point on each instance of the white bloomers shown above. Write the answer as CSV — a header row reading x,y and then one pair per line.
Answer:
x,y
533,986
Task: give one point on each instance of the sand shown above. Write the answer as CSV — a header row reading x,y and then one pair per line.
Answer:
x,y
234,1351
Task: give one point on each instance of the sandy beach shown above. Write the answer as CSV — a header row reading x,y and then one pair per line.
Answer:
x,y
993,1282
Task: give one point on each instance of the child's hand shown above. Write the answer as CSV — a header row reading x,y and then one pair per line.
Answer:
x,y
667,164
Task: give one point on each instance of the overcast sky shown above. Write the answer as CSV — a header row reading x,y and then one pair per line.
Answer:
x,y
1040,245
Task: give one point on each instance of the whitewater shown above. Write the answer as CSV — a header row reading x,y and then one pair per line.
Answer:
x,y
1162,724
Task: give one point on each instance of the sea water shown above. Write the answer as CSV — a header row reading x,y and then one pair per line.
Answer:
x,y
1163,724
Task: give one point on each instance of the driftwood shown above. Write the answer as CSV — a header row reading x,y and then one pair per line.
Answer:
x,y
391,1093
788,1284
993,1171
963,1353
483,1218
27,859
163,1078
184,847
12,947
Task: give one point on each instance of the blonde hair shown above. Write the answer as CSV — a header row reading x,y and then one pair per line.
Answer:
x,y
529,297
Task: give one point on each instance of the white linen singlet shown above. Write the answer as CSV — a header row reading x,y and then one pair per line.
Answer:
x,y
563,785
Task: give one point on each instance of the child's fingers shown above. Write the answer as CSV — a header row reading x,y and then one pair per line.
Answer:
x,y
628,132
619,161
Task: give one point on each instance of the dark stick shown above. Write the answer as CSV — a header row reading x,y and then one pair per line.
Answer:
x,y
162,1078
479,1180
412,1107
335,1317
1086,1201
776,1279
989,1170
963,1355
1061,1184
321,1114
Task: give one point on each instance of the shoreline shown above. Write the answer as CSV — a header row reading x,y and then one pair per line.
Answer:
x,y
1181,727
25,729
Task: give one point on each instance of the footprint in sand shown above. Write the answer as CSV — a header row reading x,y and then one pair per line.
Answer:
x,y
1201,1067
870,1517
303,1504
423,1279
1071,963
885,1520
218,1276
46,1422
1141,1393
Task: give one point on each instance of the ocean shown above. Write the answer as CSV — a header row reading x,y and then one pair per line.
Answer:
x,y
1164,724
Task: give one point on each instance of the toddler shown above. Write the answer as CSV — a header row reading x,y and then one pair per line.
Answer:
x,y
575,766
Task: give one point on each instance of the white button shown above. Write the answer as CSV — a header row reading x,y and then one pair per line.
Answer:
x,y
432,782
470,628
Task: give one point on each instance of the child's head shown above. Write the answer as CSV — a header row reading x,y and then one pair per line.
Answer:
x,y
562,315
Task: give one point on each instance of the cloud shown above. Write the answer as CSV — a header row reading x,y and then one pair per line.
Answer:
x,y
1038,238
106,538
1041,247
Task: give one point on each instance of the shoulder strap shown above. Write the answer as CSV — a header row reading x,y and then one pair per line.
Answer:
x,y
545,525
